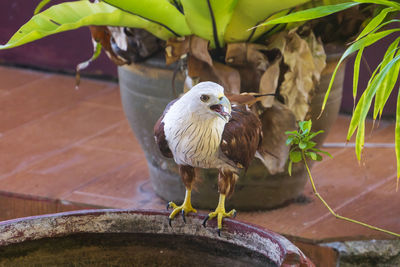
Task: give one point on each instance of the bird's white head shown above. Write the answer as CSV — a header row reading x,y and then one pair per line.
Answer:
x,y
207,99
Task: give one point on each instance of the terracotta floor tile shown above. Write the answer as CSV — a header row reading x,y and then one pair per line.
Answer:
x,y
15,206
121,138
340,182
12,78
60,175
384,201
128,187
384,136
48,137
338,132
34,100
110,99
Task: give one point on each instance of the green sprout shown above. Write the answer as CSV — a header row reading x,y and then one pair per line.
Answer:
x,y
301,145
302,148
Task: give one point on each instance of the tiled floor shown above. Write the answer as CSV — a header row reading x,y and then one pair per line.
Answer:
x,y
75,146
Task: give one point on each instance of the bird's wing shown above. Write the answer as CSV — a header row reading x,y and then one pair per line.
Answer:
x,y
159,134
242,136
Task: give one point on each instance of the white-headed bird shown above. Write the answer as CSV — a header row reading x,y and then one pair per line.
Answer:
x,y
202,130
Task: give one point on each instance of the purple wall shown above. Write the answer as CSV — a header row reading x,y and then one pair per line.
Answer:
x,y
63,51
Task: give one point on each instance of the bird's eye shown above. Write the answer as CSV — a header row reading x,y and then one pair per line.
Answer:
x,y
204,98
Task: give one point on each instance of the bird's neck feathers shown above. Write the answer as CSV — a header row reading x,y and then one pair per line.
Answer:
x,y
183,113
193,136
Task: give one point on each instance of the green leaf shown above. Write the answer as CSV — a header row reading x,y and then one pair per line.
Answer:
x,y
248,14
305,126
296,140
363,105
291,132
72,15
356,74
160,12
355,118
321,151
40,6
383,92
360,139
389,83
381,2
290,167
295,156
376,83
362,43
311,155
208,19
289,140
310,144
375,22
302,145
312,135
312,13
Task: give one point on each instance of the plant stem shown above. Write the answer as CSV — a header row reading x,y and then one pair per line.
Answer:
x,y
334,213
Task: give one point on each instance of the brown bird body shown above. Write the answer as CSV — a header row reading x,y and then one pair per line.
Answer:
x,y
202,130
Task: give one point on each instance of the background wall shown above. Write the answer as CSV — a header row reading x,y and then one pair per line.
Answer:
x,y
61,52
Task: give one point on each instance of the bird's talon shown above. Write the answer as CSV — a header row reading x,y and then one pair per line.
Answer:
x,y
183,209
234,214
205,221
219,232
183,216
169,222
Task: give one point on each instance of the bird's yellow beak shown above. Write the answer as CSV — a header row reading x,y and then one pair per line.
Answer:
x,y
223,107
224,101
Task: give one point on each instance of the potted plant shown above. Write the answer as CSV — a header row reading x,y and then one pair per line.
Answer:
x,y
211,40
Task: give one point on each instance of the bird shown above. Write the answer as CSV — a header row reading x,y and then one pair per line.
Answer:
x,y
201,129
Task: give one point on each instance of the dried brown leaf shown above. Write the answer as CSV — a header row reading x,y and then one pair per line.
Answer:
x,y
102,35
269,83
305,59
229,77
199,49
247,98
274,152
236,54
256,57
175,49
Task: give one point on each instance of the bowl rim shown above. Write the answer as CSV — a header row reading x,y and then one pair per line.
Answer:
x,y
270,244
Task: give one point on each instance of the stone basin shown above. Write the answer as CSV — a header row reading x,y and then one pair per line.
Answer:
x,y
140,238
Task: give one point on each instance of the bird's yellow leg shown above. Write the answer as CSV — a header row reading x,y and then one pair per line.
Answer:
x,y
184,209
220,213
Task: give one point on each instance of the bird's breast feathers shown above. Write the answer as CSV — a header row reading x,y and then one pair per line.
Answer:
x,y
194,141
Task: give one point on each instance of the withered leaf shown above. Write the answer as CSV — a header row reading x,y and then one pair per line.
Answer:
x,y
229,77
199,49
247,98
236,54
247,54
222,74
274,152
269,83
200,71
102,35
175,49
304,70
256,57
